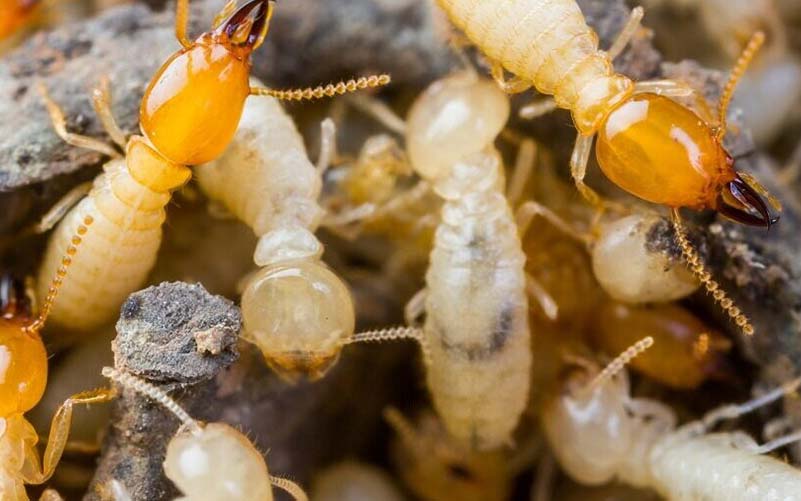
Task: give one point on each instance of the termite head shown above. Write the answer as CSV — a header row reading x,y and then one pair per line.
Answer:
x,y
455,117
23,358
214,70
586,425
741,199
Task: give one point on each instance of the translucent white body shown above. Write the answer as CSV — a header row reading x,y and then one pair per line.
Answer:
x,y
295,309
476,307
630,271
115,256
353,481
548,43
601,434
17,441
219,464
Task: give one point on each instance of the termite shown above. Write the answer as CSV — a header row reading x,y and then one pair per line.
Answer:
x,y
295,308
547,44
128,201
23,376
14,14
686,350
436,467
354,481
210,461
598,432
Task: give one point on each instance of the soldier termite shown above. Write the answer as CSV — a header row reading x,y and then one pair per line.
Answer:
x,y
128,201
598,432
547,44
23,375
210,461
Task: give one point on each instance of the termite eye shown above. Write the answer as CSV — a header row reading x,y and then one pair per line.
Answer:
x,y
246,26
459,471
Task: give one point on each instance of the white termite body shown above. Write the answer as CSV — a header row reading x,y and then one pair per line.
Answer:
x,y
476,325
547,43
119,252
598,433
295,309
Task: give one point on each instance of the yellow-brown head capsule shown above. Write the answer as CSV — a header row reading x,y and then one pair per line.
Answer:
x,y
192,106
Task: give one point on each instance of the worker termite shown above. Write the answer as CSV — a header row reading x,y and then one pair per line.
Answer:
x,y
129,199
598,432
295,309
547,44
23,376
436,467
354,481
210,461
686,350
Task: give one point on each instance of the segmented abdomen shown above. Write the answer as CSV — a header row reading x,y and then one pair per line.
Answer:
x,y
719,466
544,41
265,177
477,323
115,254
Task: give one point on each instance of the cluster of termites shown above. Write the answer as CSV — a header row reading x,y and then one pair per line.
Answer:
x,y
543,308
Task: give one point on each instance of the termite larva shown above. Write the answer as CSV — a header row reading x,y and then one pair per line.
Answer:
x,y
547,44
598,432
210,461
23,376
128,200
354,481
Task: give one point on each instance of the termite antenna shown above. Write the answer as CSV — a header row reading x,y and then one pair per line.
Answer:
x,y
329,90
289,487
147,389
696,266
393,334
61,272
756,41
618,363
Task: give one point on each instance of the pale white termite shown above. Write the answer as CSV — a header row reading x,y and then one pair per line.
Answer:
x,y
476,327
354,481
210,461
295,308
598,432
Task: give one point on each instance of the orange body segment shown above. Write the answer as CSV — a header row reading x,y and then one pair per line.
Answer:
x,y
660,151
23,367
14,14
686,351
192,106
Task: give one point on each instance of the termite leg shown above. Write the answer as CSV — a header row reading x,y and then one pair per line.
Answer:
x,y
60,126
628,31
514,85
415,308
672,88
61,208
578,168
656,414
59,431
732,411
393,334
101,100
524,164
537,108
289,487
535,289
528,210
328,145
181,22
379,111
